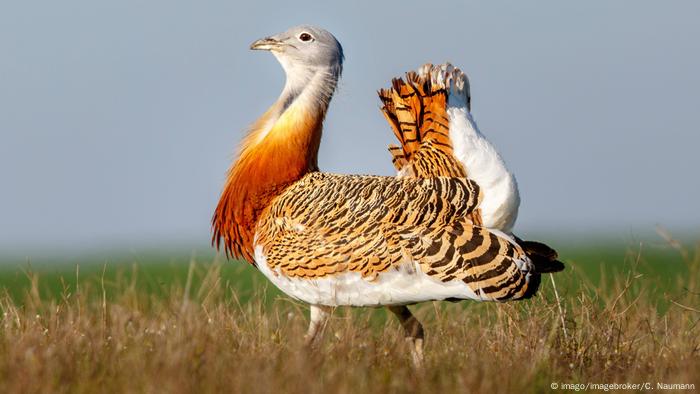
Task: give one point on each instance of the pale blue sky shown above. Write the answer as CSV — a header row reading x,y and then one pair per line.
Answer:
x,y
119,119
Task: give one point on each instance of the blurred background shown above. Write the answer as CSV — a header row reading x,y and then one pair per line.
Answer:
x,y
118,120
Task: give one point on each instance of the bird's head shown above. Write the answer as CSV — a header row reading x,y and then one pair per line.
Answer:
x,y
304,48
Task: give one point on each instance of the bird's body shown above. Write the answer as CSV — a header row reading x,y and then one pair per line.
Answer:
x,y
441,230
370,241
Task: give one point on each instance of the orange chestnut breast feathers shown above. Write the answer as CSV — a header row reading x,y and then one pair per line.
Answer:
x,y
271,158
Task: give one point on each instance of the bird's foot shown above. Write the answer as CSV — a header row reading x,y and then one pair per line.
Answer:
x,y
415,345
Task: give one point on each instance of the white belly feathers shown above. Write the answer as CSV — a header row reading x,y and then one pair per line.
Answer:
x,y
403,286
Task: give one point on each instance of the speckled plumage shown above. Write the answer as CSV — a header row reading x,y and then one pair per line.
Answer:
x,y
326,224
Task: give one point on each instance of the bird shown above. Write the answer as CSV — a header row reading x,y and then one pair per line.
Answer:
x,y
334,240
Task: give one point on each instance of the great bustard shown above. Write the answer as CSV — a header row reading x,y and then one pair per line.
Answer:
x,y
332,240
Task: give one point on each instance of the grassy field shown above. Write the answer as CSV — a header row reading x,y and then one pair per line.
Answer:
x,y
623,313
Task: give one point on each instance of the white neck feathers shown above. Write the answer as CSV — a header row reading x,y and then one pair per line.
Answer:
x,y
306,89
314,85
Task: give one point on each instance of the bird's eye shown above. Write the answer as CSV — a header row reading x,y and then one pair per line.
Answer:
x,y
305,37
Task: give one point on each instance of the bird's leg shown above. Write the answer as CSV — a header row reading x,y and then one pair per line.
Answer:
x,y
414,332
318,318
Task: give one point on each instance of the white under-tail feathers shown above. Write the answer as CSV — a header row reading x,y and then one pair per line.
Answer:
x,y
484,165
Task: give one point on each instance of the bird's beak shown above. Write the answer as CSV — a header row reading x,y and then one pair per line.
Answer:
x,y
266,44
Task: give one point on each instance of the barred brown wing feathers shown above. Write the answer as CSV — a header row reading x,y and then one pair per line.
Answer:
x,y
487,263
326,220
331,224
431,160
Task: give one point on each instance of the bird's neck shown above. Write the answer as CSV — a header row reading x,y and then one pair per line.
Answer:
x,y
281,147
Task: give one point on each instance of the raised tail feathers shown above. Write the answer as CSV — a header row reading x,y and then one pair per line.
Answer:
x,y
416,108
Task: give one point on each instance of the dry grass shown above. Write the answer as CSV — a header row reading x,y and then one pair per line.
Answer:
x,y
200,339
